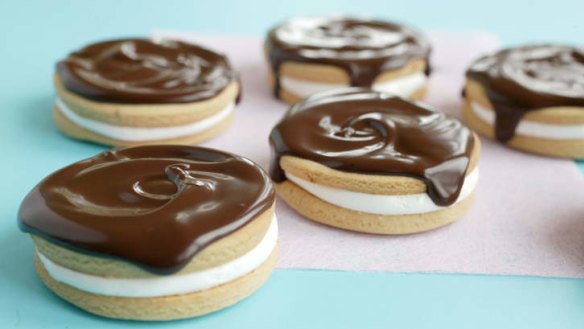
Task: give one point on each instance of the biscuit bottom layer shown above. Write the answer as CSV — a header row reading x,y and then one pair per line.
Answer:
x,y
382,204
402,86
532,128
139,134
171,284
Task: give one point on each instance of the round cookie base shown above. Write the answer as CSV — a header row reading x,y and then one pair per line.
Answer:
x,y
563,148
70,129
326,213
163,308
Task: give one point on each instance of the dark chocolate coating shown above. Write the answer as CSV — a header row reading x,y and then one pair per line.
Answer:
x,y
154,206
523,79
363,48
362,131
143,71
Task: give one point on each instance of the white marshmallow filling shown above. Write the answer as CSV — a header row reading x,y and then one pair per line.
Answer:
x,y
403,86
532,128
170,284
382,204
139,134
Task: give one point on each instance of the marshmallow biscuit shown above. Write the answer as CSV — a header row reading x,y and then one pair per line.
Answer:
x,y
312,54
530,98
134,91
371,162
153,232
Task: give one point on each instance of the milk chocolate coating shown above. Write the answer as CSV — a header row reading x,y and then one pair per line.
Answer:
x,y
143,71
523,79
363,48
362,131
154,206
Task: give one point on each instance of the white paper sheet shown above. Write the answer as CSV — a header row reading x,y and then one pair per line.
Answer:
x,y
528,215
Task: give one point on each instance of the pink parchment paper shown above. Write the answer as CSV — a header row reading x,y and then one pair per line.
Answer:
x,y
528,215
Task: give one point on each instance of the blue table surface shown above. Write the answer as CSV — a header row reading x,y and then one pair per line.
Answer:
x,y
35,34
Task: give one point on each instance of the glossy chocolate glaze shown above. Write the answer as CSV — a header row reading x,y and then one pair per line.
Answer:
x,y
523,79
361,47
155,206
143,71
367,132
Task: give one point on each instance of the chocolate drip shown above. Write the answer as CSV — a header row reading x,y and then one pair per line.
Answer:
x,y
144,71
362,48
367,132
155,206
519,80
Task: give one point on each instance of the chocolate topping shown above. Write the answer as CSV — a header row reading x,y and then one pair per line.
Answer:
x,y
144,71
367,132
363,48
519,80
155,206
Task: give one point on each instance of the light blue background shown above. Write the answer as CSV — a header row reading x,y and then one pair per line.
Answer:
x,y
35,34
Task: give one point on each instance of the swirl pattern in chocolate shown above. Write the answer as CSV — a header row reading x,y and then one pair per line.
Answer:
x,y
367,132
519,80
143,71
155,206
363,48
